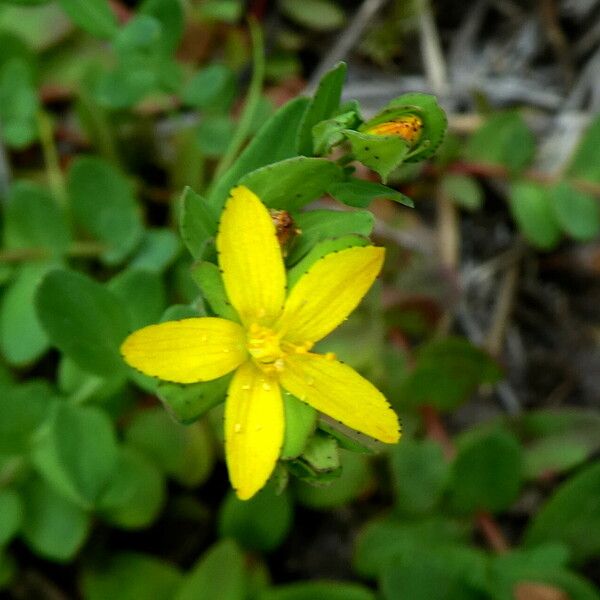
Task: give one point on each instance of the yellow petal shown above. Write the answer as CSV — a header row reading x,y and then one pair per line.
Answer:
x,y
329,292
250,258
340,392
254,426
186,351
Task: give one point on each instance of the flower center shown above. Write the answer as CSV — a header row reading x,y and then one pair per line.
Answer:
x,y
268,349
264,346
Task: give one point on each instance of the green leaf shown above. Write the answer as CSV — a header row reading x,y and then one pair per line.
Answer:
x,y
197,222
584,164
93,16
187,403
382,540
261,523
503,139
171,17
420,474
487,472
300,424
209,280
53,526
211,88
23,408
274,142
103,203
318,225
542,564
319,15
318,251
186,453
557,440
126,84
323,105
293,183
18,104
157,251
131,576
11,515
140,34
355,479
142,294
463,190
444,573
329,133
136,493
33,220
76,452
320,460
570,515
447,373
381,153
214,134
84,320
22,337
577,213
360,193
226,11
40,27
318,590
532,210
218,575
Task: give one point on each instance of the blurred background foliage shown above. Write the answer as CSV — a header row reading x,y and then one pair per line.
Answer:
x,y
482,332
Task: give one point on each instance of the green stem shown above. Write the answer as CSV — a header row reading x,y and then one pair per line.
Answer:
x,y
252,99
55,176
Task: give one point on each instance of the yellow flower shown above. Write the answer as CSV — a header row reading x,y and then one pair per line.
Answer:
x,y
269,348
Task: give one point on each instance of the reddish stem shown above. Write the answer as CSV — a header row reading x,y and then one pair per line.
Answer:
x,y
492,532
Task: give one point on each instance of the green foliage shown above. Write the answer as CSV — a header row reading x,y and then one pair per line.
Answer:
x,y
91,252
22,337
293,183
447,373
53,526
136,493
319,225
322,15
463,190
355,479
318,590
33,220
18,103
261,523
360,193
567,519
76,452
486,473
11,515
275,141
420,475
503,139
184,453
128,576
577,213
104,205
531,209
218,575
83,319
95,16
323,105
